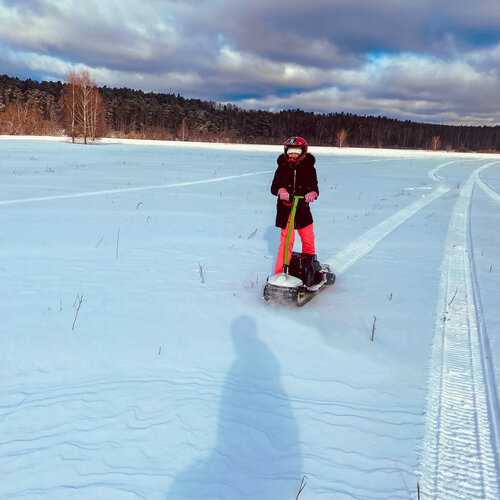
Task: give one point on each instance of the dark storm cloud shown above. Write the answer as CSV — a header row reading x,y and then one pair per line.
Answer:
x,y
340,31
429,60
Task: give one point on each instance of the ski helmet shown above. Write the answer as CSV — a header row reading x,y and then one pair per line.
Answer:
x,y
296,145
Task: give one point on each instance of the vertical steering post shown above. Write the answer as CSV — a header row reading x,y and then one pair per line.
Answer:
x,y
290,229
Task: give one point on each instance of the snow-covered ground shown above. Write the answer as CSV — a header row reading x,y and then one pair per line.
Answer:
x,y
125,375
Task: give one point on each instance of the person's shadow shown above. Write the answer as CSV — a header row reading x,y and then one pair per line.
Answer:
x,y
257,453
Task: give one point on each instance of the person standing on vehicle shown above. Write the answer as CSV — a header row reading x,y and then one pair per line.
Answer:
x,y
295,176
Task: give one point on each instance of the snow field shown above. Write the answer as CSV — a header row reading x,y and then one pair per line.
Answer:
x,y
172,388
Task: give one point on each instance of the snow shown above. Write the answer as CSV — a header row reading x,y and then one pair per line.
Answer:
x,y
173,386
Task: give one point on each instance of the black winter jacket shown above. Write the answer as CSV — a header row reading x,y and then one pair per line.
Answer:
x,y
298,179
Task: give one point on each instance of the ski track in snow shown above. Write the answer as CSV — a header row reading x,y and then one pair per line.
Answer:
x,y
367,241
492,194
461,444
129,190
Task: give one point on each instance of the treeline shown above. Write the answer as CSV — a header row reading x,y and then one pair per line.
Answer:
x,y
30,107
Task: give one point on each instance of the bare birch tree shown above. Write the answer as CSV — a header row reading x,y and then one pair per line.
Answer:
x,y
19,118
83,104
436,143
183,131
83,108
341,138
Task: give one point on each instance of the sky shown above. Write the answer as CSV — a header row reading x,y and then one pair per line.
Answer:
x,y
433,60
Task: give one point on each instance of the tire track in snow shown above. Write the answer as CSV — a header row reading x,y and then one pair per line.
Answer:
x,y
367,241
486,188
461,442
128,190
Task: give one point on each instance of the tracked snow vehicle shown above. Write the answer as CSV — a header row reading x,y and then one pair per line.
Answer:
x,y
302,278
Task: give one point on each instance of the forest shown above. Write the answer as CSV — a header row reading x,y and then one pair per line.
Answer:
x,y
81,109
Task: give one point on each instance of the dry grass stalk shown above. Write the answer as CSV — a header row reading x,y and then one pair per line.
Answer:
x,y
302,486
80,302
117,242
373,328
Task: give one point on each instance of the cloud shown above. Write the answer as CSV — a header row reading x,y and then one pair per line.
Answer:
x,y
408,86
241,66
430,60
92,32
48,66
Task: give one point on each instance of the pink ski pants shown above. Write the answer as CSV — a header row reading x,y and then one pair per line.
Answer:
x,y
307,237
